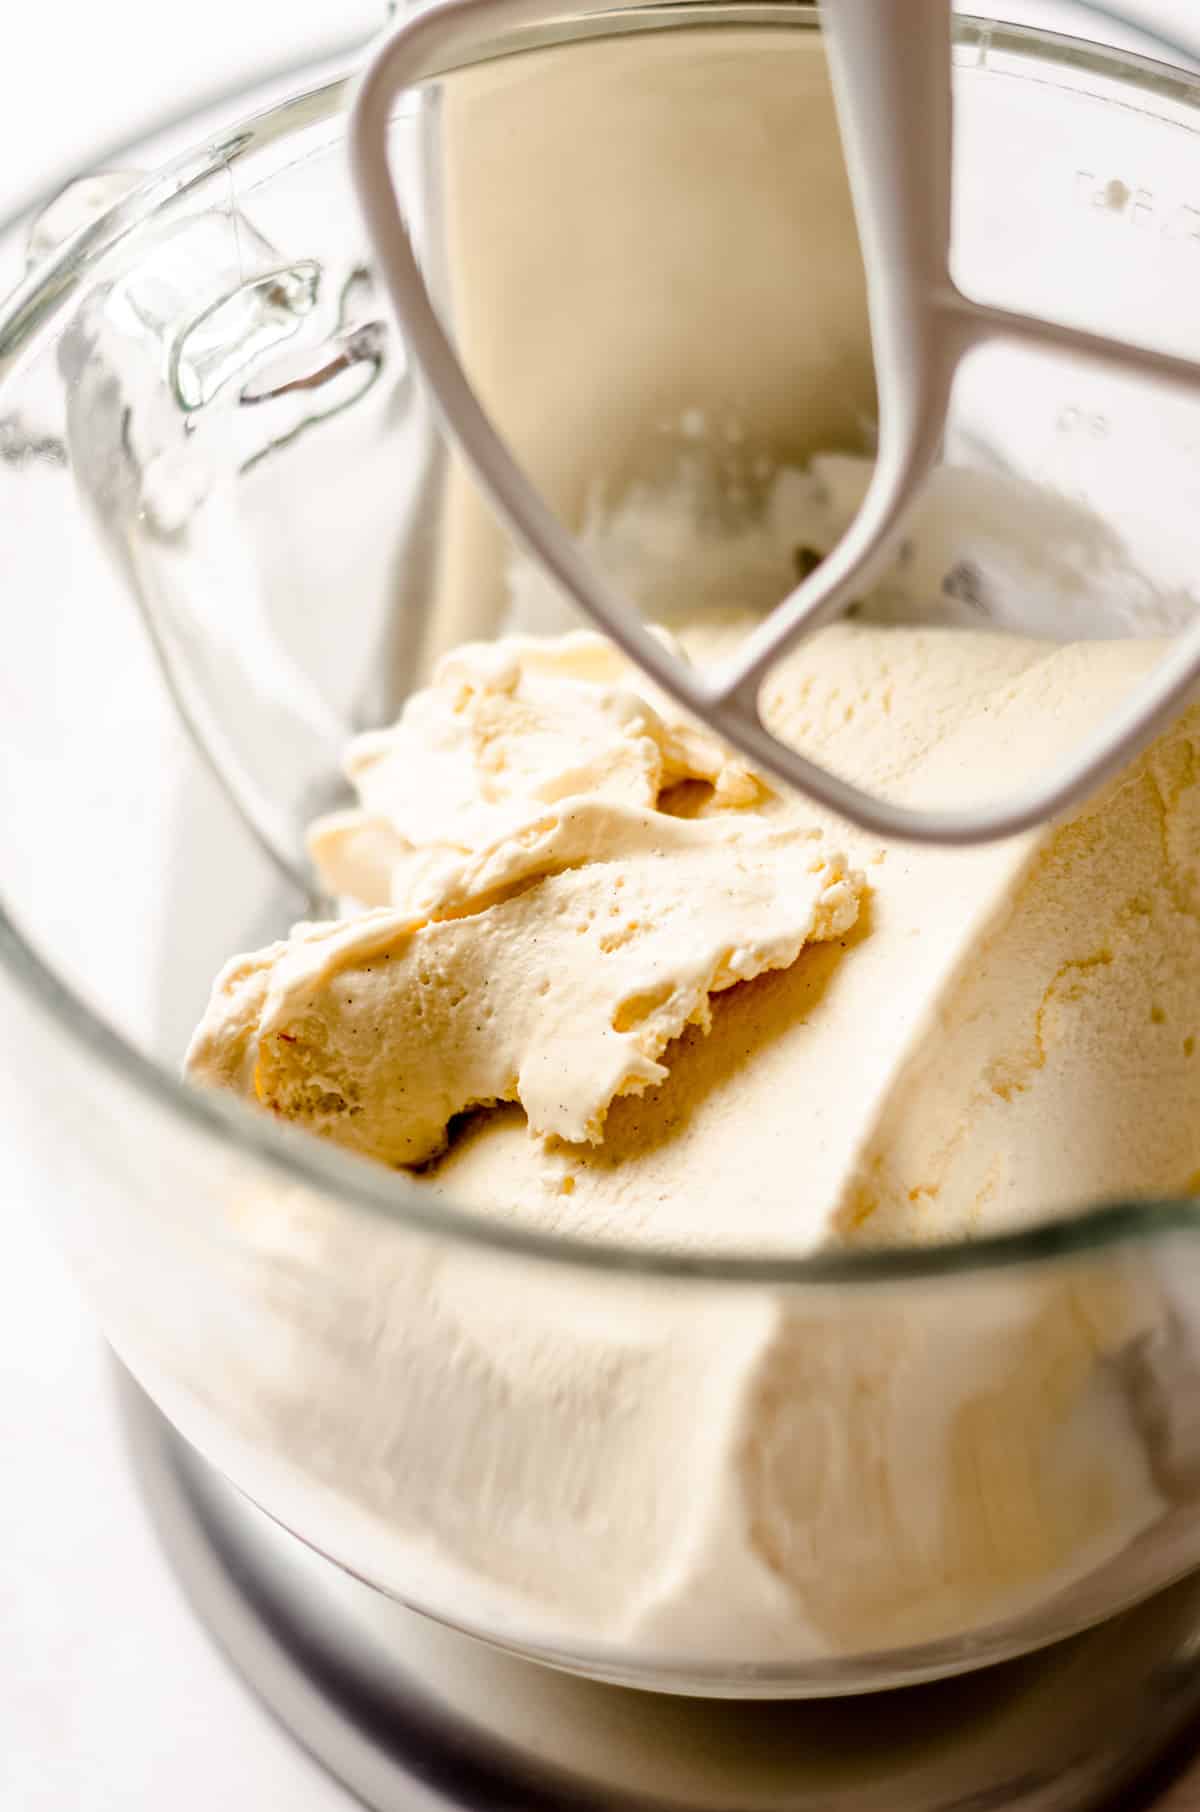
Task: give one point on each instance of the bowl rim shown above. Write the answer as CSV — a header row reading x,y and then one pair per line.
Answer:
x,y
296,1158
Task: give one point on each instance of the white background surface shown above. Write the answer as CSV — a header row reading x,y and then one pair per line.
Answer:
x,y
111,1699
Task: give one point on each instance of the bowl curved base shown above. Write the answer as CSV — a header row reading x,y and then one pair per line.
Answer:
x,y
413,1717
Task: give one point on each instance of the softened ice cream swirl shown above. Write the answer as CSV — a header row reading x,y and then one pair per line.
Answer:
x,y
1000,1034
542,930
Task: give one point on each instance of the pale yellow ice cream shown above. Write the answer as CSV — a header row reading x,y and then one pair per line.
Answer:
x,y
545,923
988,1036
557,980
1002,1033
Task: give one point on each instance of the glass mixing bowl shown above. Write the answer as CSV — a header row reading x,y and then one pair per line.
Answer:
x,y
222,510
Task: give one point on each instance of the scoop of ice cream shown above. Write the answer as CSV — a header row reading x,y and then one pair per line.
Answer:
x,y
552,968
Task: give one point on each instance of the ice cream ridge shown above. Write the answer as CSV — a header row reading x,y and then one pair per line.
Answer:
x,y
593,972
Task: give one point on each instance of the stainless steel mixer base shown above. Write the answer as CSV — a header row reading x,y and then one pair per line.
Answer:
x,y
416,1718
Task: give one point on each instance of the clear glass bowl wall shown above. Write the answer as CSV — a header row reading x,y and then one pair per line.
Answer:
x,y
293,1311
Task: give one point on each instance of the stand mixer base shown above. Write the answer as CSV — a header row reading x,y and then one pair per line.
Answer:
x,y
413,1717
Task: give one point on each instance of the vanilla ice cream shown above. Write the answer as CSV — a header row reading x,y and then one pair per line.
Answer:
x,y
954,1040
934,1044
542,931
